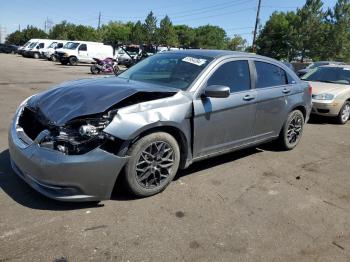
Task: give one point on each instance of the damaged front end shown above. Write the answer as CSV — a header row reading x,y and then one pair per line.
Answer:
x,y
81,134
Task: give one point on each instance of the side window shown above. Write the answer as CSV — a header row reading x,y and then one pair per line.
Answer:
x,y
234,75
269,75
41,45
83,47
59,45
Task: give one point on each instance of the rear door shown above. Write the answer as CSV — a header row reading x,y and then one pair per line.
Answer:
x,y
223,123
273,90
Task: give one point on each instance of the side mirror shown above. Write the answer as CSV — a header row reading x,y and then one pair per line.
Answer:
x,y
217,91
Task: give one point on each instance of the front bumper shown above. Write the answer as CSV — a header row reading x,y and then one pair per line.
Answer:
x,y
326,108
87,177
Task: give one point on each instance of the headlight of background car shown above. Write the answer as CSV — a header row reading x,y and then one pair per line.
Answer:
x,y
324,97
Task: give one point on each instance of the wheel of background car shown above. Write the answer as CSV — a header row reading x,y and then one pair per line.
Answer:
x,y
116,70
154,161
36,55
344,113
53,58
73,61
292,130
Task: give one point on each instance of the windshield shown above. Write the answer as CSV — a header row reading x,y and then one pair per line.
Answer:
x,y
171,70
336,75
28,43
53,44
32,45
71,45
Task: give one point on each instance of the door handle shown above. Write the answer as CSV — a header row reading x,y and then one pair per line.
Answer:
x,y
248,98
286,91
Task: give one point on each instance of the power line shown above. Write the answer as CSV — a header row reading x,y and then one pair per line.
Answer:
x,y
256,25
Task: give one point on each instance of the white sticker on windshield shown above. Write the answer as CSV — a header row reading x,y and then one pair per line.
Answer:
x,y
195,61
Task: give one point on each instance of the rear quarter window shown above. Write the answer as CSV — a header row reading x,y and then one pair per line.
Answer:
x,y
269,75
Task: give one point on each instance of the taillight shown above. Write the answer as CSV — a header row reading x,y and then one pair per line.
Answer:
x,y
310,89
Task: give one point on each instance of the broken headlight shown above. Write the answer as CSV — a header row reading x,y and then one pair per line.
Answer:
x,y
79,136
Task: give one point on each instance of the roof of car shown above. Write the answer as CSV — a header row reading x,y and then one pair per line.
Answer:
x,y
337,66
212,53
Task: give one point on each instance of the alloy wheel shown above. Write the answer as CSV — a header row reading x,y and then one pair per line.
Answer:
x,y
345,114
155,164
294,129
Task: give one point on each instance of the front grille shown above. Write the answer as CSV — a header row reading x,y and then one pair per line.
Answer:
x,y
30,123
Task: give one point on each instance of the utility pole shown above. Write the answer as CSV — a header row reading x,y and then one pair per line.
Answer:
x,y
256,25
99,20
45,25
19,27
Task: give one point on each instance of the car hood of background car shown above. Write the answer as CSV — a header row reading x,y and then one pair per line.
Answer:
x,y
89,96
321,88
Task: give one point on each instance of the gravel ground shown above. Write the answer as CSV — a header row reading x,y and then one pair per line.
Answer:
x,y
254,205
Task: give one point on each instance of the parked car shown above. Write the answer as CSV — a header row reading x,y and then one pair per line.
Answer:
x,y
22,48
174,108
315,65
49,52
331,91
8,49
83,52
35,51
127,55
30,44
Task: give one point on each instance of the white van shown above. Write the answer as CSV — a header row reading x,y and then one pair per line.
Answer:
x,y
27,46
35,51
75,52
49,52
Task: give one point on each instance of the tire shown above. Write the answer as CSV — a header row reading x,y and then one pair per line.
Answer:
x,y
36,55
94,70
116,70
344,114
143,171
292,130
53,58
73,61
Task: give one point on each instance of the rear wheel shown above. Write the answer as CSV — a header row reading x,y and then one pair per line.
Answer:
x,y
73,61
292,130
344,113
116,70
94,70
36,56
154,161
53,58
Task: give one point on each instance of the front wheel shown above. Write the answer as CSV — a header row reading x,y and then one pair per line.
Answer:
x,y
154,161
73,61
53,58
344,114
292,130
116,70
36,56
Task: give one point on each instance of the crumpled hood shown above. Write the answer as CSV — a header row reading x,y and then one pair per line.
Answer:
x,y
87,97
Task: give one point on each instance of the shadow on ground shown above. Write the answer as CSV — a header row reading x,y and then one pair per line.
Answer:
x,y
20,192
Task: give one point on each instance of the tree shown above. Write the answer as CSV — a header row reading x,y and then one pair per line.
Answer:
x,y
338,34
15,38
138,33
278,37
115,33
185,35
237,43
311,34
150,26
210,37
166,33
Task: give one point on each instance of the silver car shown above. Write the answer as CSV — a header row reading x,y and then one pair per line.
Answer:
x,y
72,142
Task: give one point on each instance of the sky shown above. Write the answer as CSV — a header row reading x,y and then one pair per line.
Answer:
x,y
235,16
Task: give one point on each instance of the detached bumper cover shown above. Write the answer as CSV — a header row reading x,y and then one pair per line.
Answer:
x,y
87,177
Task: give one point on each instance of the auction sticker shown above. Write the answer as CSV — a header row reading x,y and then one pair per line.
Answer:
x,y
195,61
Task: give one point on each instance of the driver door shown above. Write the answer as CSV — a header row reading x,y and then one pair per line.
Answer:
x,y
224,123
